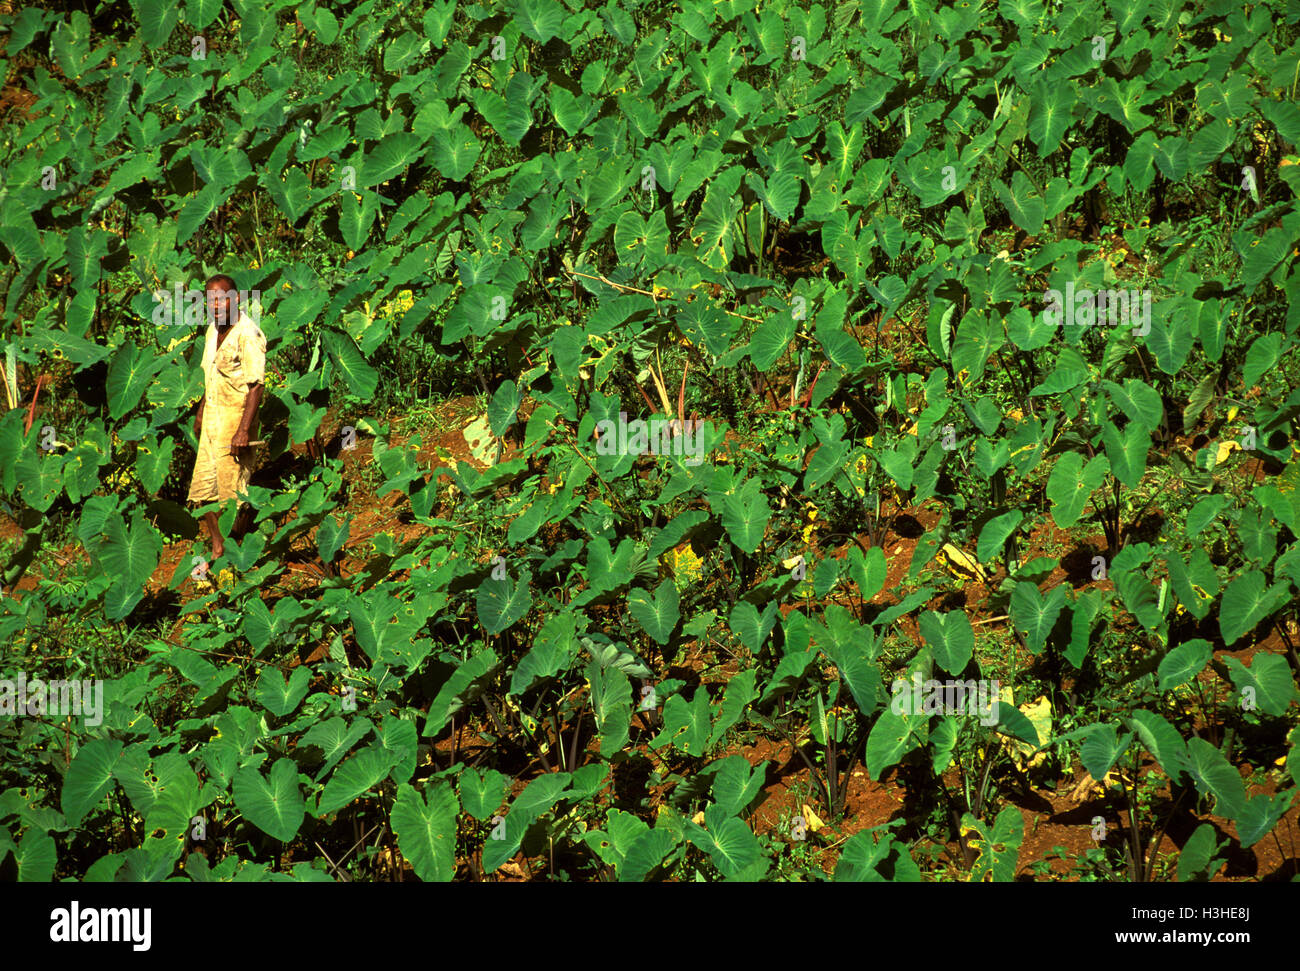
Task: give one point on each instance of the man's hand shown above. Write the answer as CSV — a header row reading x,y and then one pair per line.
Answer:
x,y
248,420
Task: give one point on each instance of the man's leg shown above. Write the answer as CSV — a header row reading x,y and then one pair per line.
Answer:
x,y
245,513
214,531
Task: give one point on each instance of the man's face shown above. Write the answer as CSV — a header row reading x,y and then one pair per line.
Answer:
x,y
223,305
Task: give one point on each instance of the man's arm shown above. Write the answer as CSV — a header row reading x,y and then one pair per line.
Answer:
x,y
198,417
246,421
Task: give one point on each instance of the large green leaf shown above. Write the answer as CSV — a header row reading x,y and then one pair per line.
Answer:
x,y
1209,143
481,794
425,826
740,693
358,376
537,798
1215,776
453,151
1197,853
510,116
1183,663
278,696
780,194
157,20
572,112
391,155
868,570
998,846
1082,614
129,556
686,724
1246,601
89,777
36,857
1035,615
129,374
771,339
554,648
335,737
273,805
1050,109
356,218
200,13
1011,721
892,737
1171,341
996,532
714,228
1260,254
540,19
658,616
354,776
1261,814
641,242
1126,451
1024,203
1267,684
645,852
1161,740
153,462
20,236
729,842
451,696
752,627
1101,748
737,783
501,603
1070,485
745,514
1139,597
978,337
951,638
865,859
611,702
39,477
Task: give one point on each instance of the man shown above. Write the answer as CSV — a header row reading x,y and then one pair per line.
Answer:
x,y
234,367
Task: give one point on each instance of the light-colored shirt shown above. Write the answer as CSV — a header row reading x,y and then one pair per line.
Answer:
x,y
229,371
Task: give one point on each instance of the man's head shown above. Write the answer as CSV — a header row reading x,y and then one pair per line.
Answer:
x,y
223,300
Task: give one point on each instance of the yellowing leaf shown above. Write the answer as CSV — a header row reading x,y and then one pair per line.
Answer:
x,y
1039,713
961,563
1225,449
812,819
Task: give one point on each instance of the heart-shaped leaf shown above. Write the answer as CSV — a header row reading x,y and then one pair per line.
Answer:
x,y
274,805
951,638
425,826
